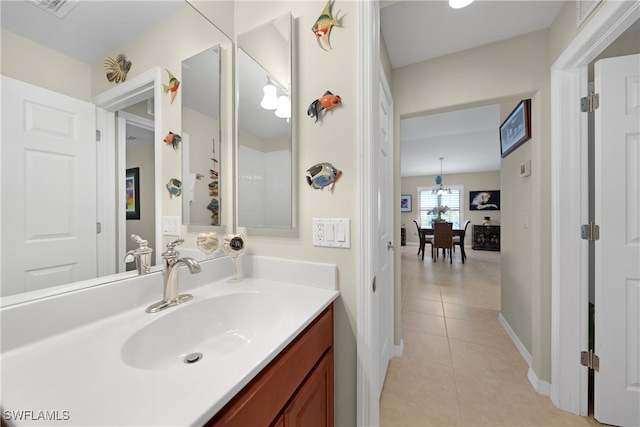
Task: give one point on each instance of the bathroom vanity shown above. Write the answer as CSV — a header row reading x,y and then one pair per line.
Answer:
x,y
94,355
296,389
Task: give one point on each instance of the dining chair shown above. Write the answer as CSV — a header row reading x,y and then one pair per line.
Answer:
x,y
459,241
442,239
423,241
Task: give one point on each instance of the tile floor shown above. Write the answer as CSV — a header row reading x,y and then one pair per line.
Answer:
x,y
459,367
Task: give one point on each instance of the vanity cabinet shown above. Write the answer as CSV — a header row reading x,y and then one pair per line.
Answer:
x,y
295,389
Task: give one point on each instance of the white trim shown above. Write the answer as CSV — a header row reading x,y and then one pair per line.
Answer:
x,y
134,90
398,350
367,412
541,387
569,264
516,341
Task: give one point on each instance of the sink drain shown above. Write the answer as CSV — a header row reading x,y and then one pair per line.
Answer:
x,y
193,358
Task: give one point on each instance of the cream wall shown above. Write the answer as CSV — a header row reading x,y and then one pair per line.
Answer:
x,y
470,181
33,63
332,139
504,73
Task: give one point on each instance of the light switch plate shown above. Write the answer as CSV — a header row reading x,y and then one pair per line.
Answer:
x,y
171,225
332,232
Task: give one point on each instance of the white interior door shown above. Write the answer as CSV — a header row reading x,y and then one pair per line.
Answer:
x,y
617,265
384,293
49,187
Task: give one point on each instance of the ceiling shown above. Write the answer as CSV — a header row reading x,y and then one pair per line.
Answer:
x,y
467,139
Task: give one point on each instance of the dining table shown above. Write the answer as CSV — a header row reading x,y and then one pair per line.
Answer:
x,y
460,232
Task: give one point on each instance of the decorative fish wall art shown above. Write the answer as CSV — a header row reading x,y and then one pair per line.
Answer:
x,y
327,102
323,175
173,139
117,69
323,25
172,86
174,187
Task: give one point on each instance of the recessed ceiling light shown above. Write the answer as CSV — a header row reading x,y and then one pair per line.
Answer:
x,y
459,4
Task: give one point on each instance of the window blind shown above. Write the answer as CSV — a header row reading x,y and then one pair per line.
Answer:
x,y
427,202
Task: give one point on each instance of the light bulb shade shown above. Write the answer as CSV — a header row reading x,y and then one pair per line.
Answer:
x,y
283,109
459,4
270,99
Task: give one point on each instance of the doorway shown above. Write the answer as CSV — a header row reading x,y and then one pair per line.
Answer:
x,y
569,388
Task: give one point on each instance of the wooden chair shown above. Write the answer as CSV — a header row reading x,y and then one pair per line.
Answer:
x,y
442,239
459,241
423,241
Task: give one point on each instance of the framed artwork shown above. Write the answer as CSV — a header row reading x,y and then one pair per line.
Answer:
x,y
484,200
405,203
516,129
132,191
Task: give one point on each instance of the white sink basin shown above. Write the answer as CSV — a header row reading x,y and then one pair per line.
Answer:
x,y
212,328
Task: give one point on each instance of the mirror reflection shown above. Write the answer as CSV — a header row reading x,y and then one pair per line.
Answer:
x,y
201,151
62,233
264,194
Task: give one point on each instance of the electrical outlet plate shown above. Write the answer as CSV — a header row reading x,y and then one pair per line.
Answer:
x,y
332,232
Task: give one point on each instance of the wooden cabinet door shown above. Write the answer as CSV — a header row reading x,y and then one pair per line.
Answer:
x,y
312,405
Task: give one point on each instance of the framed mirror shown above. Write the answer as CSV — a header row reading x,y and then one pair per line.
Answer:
x,y
71,57
264,126
202,168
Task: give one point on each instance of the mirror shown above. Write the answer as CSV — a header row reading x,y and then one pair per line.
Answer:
x,y
264,168
202,172
63,51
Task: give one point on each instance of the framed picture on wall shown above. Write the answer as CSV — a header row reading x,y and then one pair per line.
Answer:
x,y
132,191
516,129
405,203
484,200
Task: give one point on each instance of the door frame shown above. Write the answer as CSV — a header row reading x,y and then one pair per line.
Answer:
x,y
569,193
368,404
143,86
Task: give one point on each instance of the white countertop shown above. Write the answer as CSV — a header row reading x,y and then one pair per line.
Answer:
x,y
80,377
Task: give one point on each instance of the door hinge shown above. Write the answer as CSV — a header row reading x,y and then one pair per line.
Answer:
x,y
590,360
590,232
590,103
98,227
98,135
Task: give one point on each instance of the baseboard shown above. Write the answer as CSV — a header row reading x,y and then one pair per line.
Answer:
x,y
398,350
541,387
516,341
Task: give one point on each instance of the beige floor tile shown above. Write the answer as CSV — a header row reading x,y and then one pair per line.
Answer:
x,y
423,306
475,332
397,412
486,360
419,346
422,322
459,366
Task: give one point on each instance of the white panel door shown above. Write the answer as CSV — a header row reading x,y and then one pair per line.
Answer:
x,y
384,295
617,265
49,188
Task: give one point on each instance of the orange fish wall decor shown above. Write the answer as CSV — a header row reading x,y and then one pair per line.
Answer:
x,y
327,102
323,25
172,86
173,139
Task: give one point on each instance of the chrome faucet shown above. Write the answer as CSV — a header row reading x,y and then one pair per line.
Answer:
x,y
170,265
141,255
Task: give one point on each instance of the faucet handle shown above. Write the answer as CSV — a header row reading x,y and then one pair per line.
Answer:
x,y
175,243
171,248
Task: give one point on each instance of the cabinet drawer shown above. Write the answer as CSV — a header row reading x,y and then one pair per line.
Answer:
x,y
264,398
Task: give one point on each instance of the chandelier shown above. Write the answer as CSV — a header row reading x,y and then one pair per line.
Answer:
x,y
440,190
